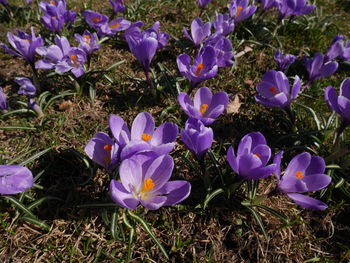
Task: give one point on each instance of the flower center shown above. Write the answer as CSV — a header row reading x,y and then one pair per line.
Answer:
x,y
54,17
147,185
107,156
203,108
87,38
116,25
239,9
257,155
146,137
273,90
199,69
52,2
96,19
74,59
26,40
299,175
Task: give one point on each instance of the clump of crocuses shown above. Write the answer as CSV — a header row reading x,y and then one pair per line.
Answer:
x,y
144,178
284,60
304,173
241,10
15,179
252,157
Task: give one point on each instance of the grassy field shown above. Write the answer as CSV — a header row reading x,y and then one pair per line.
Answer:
x,y
75,218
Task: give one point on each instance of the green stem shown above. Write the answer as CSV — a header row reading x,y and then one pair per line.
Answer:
x,y
338,132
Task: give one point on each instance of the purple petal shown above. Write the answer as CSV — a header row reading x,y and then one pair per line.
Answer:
x,y
143,124
176,191
15,179
307,202
165,133
160,171
202,96
121,196
154,202
298,164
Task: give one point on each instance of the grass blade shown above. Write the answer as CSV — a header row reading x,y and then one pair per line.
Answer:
x,y
36,222
19,205
35,156
259,221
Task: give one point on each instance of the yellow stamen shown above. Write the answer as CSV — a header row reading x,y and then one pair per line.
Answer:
x,y
146,137
299,175
114,25
147,185
96,19
107,156
239,9
203,108
199,69
74,59
273,90
26,40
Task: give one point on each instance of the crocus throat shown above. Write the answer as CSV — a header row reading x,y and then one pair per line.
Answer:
x,y
107,157
147,185
74,59
96,19
114,25
257,155
299,175
273,90
239,9
87,38
203,108
199,69
146,137
52,2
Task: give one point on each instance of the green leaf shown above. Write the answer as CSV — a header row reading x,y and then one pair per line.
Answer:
x,y
114,224
115,65
41,200
131,237
35,156
36,222
212,195
13,112
259,221
274,212
148,230
19,205
13,128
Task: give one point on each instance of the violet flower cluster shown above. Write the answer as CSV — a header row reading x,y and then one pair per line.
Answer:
x,y
288,8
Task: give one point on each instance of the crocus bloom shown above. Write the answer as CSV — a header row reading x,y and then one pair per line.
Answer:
x,y
241,10
293,8
15,179
162,37
53,21
199,31
143,49
223,24
88,42
338,49
26,86
143,135
318,68
3,103
274,90
197,138
206,107
117,5
284,60
94,19
204,66
268,4
116,25
223,50
203,3
145,180
103,150
23,45
340,104
252,156
74,62
304,173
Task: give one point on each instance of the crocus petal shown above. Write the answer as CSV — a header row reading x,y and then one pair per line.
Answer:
x,y
307,202
202,96
130,172
298,164
315,182
277,160
345,88
296,87
261,173
292,184
165,133
331,98
154,202
121,196
232,160
143,124
15,179
160,171
176,191
134,147
316,166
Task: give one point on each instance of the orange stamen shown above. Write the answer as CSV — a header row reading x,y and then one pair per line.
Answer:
x,y
54,17
26,40
107,156
257,154
147,185
74,59
299,175
87,38
199,69
96,19
239,9
52,2
273,90
146,137
203,108
114,25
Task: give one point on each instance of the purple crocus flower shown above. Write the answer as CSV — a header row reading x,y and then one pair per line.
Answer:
x,y
241,10
204,66
116,25
94,19
143,49
53,22
304,173
318,68
23,45
223,24
103,151
143,135
206,107
26,86
3,103
162,37
199,31
73,61
268,4
293,8
223,50
15,179
274,90
203,3
252,157
340,104
145,180
117,5
88,42
197,138
284,60
338,49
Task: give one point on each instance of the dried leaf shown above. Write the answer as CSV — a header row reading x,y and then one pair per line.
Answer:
x,y
233,106
65,105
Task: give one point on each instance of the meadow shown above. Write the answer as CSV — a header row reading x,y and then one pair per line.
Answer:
x,y
174,131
